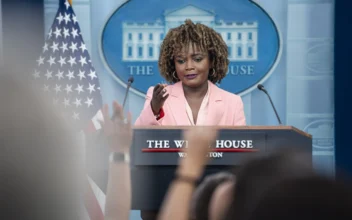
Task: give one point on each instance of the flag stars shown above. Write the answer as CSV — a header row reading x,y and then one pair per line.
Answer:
x,y
64,47
51,60
68,89
67,18
77,102
72,60
57,32
50,34
74,19
66,102
66,33
91,88
48,74
75,116
55,47
79,88
62,61
40,60
73,47
89,102
60,75
46,88
83,61
57,88
83,47
67,4
81,75
70,75
74,33
60,18
45,47
36,74
92,75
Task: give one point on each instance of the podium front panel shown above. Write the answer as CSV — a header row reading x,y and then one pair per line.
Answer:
x,y
153,170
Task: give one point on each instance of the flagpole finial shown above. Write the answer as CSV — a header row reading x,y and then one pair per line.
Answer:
x,y
70,1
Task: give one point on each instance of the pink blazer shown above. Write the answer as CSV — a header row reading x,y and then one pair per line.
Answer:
x,y
224,108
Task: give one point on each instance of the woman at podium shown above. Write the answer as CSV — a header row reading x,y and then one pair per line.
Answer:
x,y
193,57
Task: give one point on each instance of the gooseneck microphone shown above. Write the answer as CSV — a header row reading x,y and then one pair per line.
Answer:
x,y
130,81
261,88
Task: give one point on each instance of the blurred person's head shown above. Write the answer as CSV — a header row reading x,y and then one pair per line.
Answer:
x,y
260,173
305,199
212,196
40,158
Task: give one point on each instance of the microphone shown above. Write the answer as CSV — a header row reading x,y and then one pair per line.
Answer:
x,y
100,134
130,81
261,88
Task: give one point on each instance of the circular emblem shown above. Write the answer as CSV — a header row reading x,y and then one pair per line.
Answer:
x,y
131,39
322,132
320,58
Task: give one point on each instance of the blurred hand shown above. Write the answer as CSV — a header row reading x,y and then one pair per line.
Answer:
x,y
199,142
159,97
118,131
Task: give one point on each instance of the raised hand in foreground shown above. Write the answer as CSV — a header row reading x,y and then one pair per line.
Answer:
x,y
117,130
199,140
178,199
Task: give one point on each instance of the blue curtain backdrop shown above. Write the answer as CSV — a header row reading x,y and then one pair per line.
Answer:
x,y
343,121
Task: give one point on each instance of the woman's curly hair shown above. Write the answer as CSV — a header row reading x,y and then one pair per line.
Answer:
x,y
197,34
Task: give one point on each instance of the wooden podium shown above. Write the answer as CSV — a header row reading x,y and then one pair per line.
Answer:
x,y
155,155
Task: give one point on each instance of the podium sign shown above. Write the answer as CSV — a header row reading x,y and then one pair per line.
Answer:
x,y
159,147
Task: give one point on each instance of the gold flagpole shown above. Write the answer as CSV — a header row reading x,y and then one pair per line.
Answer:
x,y
70,1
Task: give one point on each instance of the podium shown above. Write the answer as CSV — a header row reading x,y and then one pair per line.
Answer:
x,y
155,153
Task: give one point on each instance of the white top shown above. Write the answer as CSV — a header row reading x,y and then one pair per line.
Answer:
x,y
202,113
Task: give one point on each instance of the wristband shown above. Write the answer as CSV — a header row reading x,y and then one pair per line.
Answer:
x,y
160,115
186,179
117,157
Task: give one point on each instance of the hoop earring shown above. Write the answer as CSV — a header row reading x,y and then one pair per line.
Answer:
x,y
173,75
214,73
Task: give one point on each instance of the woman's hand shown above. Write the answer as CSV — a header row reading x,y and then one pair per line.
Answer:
x,y
159,97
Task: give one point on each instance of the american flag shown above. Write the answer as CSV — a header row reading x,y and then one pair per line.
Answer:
x,y
64,71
